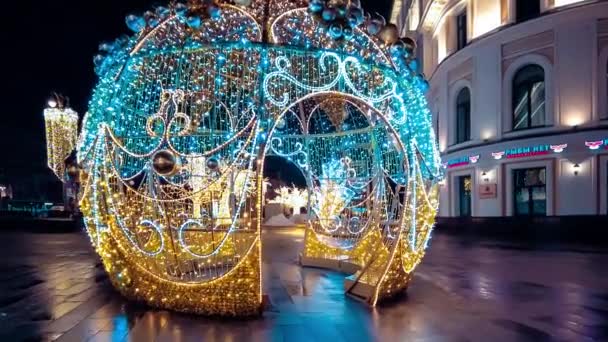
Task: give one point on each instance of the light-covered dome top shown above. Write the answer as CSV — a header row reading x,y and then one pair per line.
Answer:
x,y
339,25
186,44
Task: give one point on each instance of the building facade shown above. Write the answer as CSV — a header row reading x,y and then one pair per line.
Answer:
x,y
519,95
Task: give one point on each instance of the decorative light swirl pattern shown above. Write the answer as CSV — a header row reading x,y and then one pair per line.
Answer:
x,y
174,142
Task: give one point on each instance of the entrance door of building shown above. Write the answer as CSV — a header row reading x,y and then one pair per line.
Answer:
x,y
530,192
464,196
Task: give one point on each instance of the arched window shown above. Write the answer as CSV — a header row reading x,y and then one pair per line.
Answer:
x,y
463,116
528,97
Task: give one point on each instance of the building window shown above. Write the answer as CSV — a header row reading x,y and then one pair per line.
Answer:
x,y
437,128
413,16
463,116
461,30
464,195
526,9
528,97
530,192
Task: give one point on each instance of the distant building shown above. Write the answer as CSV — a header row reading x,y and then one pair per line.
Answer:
x,y
519,96
31,183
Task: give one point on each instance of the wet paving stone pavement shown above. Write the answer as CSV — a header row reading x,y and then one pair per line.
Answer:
x,y
52,288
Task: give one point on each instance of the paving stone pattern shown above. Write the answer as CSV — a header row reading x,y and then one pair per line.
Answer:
x,y
52,288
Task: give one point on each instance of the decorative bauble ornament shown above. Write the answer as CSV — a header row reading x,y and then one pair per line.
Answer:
x,y
373,26
162,12
336,16
347,32
281,123
180,9
105,47
335,31
135,23
214,12
329,14
213,164
389,34
341,11
315,7
357,14
98,60
165,163
194,21
409,42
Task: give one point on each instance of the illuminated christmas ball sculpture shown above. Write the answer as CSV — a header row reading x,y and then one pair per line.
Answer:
x,y
173,146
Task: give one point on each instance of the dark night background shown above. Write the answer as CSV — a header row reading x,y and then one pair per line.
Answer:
x,y
49,46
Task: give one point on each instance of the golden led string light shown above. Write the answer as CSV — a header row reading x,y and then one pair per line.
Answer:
x,y
61,133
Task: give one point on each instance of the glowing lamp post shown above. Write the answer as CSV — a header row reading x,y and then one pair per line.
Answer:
x,y
61,124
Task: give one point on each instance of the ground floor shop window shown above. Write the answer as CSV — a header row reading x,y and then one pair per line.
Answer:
x,y
464,196
530,191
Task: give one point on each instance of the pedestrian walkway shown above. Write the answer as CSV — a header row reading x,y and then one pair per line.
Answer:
x,y
53,288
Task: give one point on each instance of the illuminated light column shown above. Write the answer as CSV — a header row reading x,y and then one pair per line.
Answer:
x,y
61,133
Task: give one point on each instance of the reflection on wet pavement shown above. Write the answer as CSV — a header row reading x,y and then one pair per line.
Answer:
x,y
53,288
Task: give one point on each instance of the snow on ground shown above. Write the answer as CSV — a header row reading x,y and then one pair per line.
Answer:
x,y
279,221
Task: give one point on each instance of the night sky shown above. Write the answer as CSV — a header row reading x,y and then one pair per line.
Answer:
x,y
49,46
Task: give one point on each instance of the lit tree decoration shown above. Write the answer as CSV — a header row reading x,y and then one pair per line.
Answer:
x,y
61,124
185,111
298,198
282,195
333,193
291,197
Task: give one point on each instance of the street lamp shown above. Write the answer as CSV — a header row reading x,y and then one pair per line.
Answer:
x,y
61,123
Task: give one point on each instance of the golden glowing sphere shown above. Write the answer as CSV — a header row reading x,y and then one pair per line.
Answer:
x,y
389,34
166,163
213,164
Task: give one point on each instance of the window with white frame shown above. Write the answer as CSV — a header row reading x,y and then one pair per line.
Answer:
x,y
528,97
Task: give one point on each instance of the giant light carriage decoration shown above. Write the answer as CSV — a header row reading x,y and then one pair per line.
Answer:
x,y
173,146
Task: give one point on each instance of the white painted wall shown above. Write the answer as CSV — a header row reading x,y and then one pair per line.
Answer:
x,y
576,195
574,44
571,98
